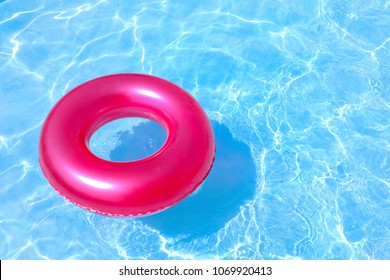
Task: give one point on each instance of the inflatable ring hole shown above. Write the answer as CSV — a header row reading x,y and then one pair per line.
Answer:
x,y
128,139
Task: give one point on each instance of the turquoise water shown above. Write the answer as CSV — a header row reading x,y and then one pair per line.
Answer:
x,y
298,95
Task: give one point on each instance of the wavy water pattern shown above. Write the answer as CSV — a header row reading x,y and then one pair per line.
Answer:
x,y
298,92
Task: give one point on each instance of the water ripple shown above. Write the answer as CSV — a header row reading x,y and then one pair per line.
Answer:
x,y
301,87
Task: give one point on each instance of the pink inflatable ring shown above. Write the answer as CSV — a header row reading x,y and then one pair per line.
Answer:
x,y
133,188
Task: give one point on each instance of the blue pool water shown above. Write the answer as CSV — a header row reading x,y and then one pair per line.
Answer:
x,y
299,98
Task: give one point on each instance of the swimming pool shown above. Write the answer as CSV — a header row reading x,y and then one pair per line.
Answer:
x,y
298,95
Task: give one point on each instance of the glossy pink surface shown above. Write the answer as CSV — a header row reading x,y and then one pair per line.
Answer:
x,y
126,188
